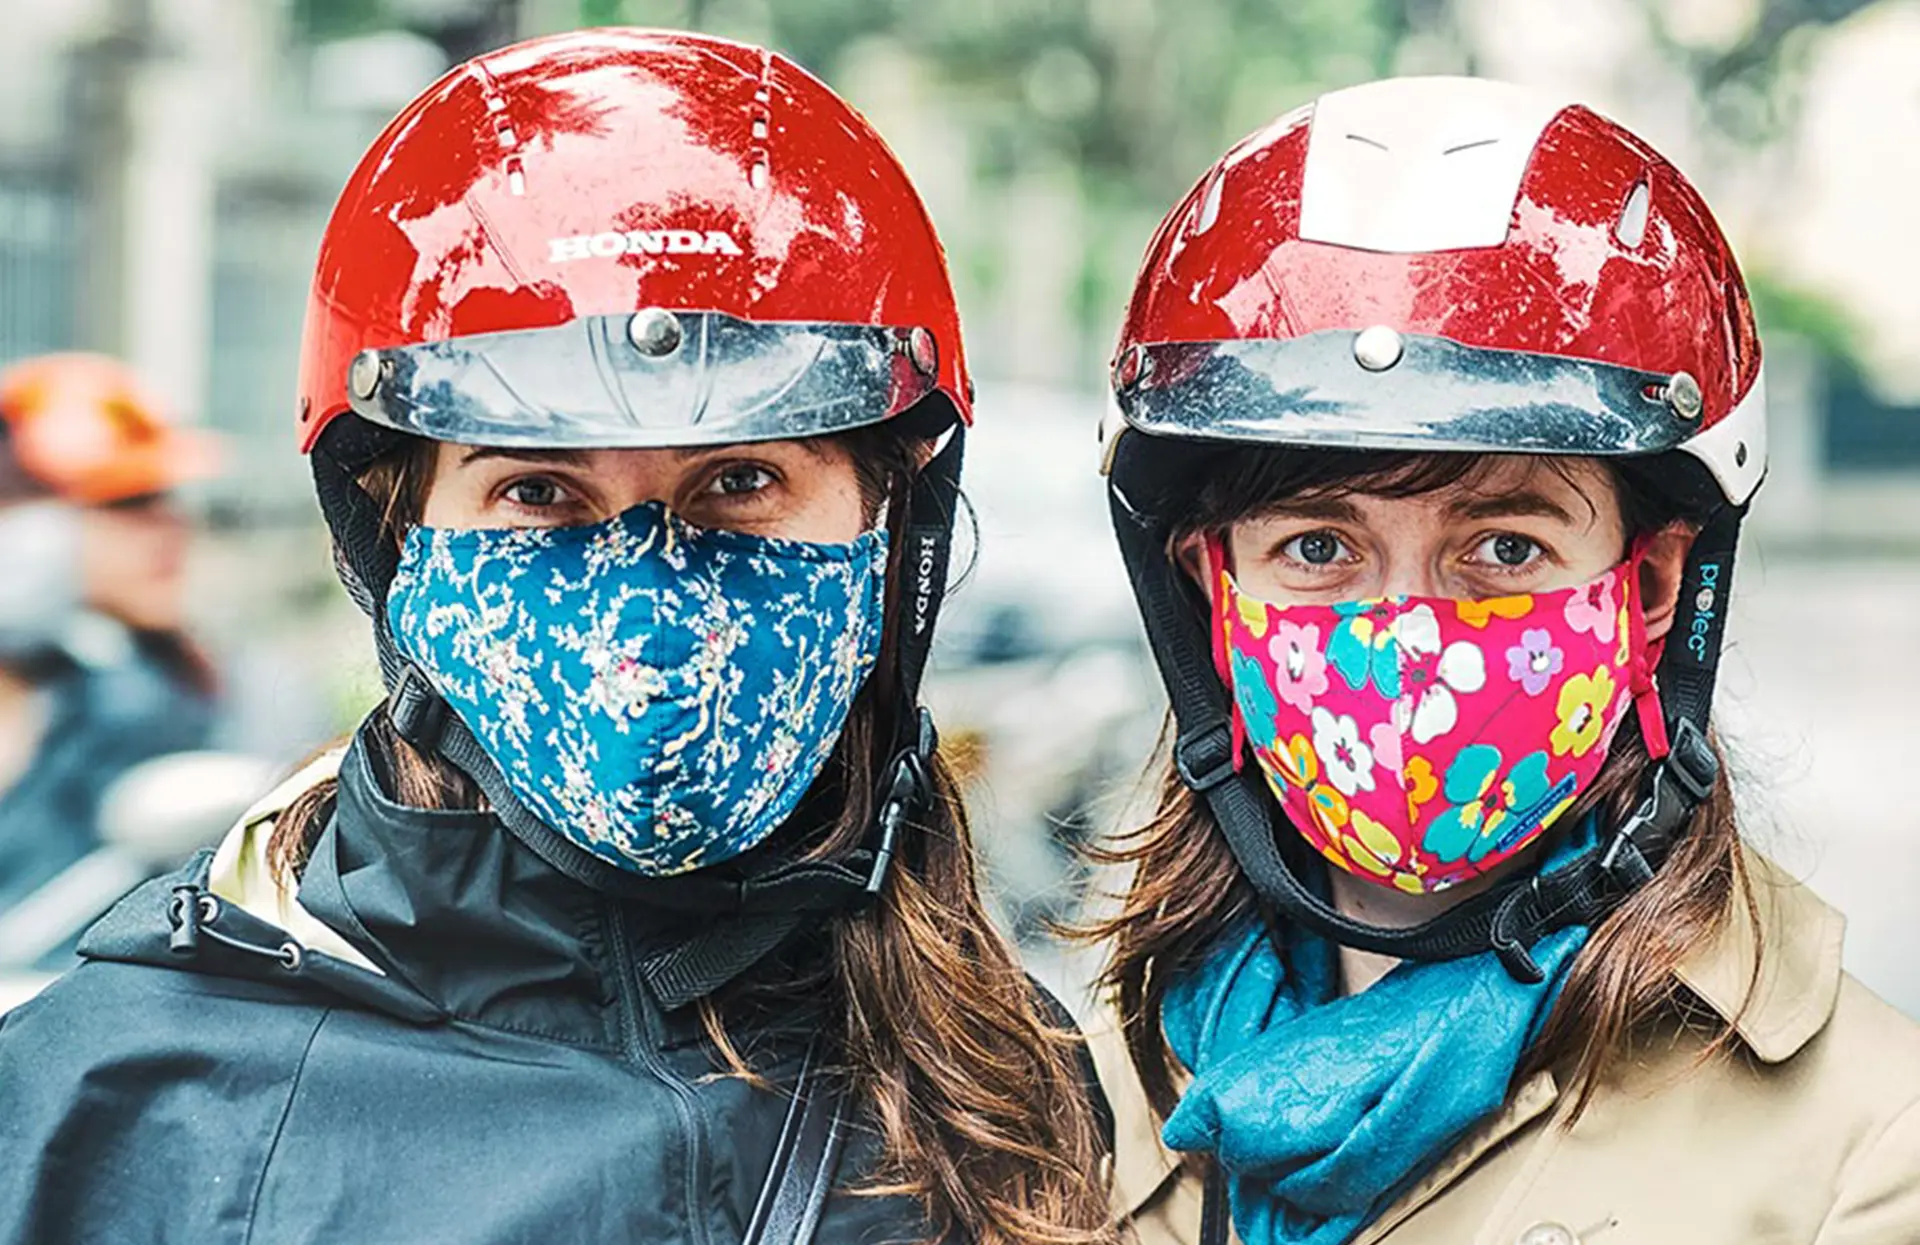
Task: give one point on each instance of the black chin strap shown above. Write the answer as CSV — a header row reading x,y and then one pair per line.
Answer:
x,y
763,899
1510,918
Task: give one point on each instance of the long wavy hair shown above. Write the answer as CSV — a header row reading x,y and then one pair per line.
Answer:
x,y
1186,889
982,1107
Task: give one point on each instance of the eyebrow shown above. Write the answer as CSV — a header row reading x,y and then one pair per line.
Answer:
x,y
1319,509
1511,506
570,458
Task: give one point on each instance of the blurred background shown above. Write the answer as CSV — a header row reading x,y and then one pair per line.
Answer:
x,y
166,167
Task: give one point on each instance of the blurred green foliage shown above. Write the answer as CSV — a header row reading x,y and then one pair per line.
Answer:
x,y
1783,307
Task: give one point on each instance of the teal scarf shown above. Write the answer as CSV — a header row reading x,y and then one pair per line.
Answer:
x,y
1319,1108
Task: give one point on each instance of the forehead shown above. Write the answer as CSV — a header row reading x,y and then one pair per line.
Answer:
x,y
1576,491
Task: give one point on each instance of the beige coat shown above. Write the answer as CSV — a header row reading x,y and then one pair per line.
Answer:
x,y
1810,1135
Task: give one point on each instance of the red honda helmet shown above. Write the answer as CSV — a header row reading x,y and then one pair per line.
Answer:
x,y
1446,264
628,238
634,239
1441,265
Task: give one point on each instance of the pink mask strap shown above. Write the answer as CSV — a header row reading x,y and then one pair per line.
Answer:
x,y
1217,577
1644,659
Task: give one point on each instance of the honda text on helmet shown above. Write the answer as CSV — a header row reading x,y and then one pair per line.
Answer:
x,y
1450,266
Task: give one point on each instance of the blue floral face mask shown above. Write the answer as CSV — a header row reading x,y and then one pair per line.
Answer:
x,y
660,694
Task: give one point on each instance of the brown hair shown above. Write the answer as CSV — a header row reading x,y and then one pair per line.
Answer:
x,y
1186,887
977,1091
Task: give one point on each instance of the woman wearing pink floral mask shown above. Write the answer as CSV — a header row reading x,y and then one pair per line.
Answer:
x,y
1438,409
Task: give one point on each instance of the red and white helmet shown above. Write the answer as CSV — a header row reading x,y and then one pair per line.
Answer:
x,y
1444,265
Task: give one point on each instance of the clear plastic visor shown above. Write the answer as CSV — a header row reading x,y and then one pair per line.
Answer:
x,y
1378,389
652,378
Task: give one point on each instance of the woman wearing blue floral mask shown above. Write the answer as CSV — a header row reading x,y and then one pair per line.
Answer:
x,y
643,909
1438,410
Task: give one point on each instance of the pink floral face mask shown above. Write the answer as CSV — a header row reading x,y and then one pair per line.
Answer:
x,y
1418,742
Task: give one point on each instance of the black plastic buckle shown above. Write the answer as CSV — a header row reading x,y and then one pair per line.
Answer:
x,y
416,710
908,788
1681,782
1690,761
1506,935
1204,756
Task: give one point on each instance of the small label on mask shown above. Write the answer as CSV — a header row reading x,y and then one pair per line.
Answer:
x,y
1525,821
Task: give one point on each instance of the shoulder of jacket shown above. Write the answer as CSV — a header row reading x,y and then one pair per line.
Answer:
x,y
107,1011
1779,1001
1874,1044
1143,1168
1878,1194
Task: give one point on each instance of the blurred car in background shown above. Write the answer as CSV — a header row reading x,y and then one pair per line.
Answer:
x,y
1040,682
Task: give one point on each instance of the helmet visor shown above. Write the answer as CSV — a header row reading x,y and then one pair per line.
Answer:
x,y
1380,390
652,378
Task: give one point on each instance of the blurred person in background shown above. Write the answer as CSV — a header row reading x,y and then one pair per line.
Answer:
x,y
1438,409
647,891
97,670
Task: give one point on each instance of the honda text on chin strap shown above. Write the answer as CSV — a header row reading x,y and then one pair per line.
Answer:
x,y
1507,919
770,897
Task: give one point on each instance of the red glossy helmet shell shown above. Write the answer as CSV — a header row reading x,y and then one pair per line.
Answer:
x,y
471,211
1229,264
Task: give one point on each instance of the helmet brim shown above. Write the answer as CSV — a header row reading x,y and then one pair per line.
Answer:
x,y
1340,390
654,379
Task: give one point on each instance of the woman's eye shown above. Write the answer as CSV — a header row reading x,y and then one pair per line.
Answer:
x,y
1315,549
1508,550
740,479
534,493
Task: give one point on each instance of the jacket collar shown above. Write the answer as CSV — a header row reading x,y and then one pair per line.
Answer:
x,y
439,909
1774,1013
1777,1008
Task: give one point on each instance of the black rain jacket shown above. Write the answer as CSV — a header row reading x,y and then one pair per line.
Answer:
x,y
506,1077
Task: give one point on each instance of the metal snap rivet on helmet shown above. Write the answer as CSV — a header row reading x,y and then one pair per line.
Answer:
x,y
924,351
1128,367
1378,348
1548,1234
1740,454
364,374
1684,396
654,332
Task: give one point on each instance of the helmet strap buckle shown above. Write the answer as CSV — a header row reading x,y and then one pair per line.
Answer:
x,y
416,710
908,789
1205,756
1681,782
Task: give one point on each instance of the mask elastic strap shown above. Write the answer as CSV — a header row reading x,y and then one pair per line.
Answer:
x,y
1222,582
1643,657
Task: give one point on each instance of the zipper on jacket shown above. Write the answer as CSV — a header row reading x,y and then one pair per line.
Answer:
x,y
631,993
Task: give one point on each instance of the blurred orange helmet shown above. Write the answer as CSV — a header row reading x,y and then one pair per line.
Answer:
x,y
83,428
